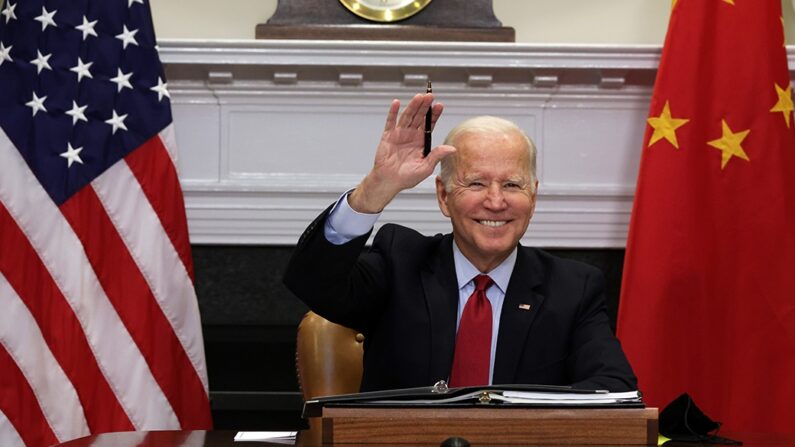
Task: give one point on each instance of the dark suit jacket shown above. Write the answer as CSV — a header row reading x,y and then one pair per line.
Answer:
x,y
403,296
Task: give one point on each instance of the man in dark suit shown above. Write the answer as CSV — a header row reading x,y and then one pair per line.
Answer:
x,y
473,307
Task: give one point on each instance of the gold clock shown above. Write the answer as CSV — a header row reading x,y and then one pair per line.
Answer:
x,y
385,11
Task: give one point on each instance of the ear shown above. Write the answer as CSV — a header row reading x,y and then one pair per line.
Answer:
x,y
441,196
533,197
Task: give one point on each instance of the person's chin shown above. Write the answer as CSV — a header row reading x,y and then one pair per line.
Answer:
x,y
495,247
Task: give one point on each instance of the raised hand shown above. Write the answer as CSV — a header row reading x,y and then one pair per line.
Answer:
x,y
399,163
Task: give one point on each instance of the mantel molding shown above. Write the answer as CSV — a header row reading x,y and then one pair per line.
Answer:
x,y
429,54
271,131
337,53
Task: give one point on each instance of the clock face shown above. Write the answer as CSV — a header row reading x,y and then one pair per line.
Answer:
x,y
385,10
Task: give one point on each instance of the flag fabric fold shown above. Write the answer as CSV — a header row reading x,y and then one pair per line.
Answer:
x,y
99,322
708,295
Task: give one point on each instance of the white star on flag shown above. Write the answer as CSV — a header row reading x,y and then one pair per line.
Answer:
x,y
127,37
87,28
72,155
5,53
8,11
161,88
36,104
122,79
41,62
117,122
46,18
82,70
77,113
129,5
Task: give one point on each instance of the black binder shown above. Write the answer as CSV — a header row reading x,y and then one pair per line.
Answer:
x,y
439,395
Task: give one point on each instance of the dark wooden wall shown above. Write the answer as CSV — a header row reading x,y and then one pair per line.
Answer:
x,y
250,321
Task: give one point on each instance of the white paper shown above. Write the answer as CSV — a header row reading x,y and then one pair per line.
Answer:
x,y
281,437
554,396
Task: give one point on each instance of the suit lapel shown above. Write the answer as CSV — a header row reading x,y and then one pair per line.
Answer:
x,y
441,297
519,309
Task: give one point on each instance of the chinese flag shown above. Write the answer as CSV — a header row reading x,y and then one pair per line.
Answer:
x,y
708,296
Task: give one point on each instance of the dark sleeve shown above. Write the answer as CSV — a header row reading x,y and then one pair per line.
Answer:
x,y
336,281
597,360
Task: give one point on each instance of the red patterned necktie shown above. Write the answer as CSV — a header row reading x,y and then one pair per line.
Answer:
x,y
473,342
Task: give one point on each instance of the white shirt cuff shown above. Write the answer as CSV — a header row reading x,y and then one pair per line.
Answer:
x,y
345,224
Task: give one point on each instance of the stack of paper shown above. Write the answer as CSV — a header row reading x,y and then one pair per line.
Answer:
x,y
534,397
277,437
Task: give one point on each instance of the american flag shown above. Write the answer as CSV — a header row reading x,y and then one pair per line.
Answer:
x,y
99,323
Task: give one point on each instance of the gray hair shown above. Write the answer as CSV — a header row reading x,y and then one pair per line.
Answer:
x,y
485,124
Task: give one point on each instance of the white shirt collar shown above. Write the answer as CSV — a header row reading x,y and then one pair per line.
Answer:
x,y
465,271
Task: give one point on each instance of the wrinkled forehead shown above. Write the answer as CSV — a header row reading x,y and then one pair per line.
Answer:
x,y
498,137
480,152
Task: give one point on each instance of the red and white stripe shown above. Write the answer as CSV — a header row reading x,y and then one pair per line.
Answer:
x,y
144,439
9,438
100,324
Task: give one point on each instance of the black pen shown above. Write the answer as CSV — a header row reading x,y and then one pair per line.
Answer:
x,y
427,149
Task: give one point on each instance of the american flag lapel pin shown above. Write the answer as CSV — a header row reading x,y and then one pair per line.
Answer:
x,y
524,306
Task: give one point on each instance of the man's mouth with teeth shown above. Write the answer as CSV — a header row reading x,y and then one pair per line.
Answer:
x,y
493,223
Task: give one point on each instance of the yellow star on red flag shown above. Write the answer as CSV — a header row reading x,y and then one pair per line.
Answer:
x,y
730,144
784,104
665,126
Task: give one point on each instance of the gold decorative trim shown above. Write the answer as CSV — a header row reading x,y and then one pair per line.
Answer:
x,y
386,14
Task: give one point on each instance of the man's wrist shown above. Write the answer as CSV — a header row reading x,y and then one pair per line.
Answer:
x,y
370,197
344,223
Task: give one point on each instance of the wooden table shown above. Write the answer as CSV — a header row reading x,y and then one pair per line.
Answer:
x,y
488,424
226,439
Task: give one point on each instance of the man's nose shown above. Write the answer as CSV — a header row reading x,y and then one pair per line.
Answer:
x,y
495,198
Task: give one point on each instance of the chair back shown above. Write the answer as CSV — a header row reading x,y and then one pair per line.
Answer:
x,y
328,357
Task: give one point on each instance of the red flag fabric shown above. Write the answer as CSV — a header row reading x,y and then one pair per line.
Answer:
x,y
708,294
99,322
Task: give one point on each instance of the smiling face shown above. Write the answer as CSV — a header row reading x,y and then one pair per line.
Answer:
x,y
490,196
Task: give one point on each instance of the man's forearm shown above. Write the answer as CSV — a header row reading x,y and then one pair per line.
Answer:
x,y
318,268
372,195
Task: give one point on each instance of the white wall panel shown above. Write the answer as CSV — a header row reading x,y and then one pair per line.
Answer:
x,y
198,137
594,145
312,139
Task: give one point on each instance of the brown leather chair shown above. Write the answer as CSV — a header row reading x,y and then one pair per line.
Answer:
x,y
328,359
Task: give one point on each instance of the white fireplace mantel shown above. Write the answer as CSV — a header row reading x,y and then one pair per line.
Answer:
x,y
271,132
